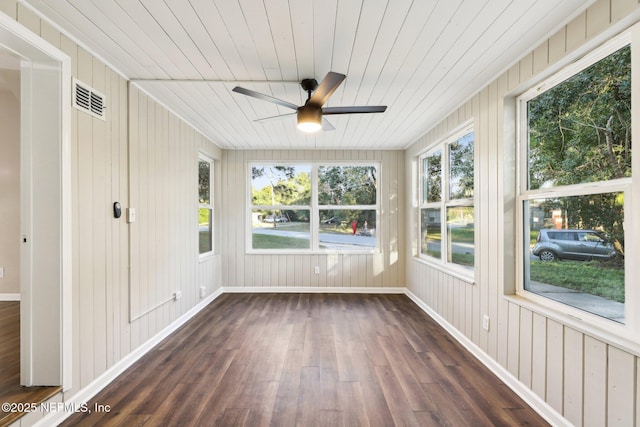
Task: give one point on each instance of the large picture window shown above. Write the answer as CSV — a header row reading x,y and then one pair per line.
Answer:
x,y
205,205
314,207
575,183
447,214
281,206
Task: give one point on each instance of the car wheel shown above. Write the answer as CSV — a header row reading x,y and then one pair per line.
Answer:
x,y
547,255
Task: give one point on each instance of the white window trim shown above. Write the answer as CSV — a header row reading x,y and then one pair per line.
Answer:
x,y
210,205
441,145
314,208
609,330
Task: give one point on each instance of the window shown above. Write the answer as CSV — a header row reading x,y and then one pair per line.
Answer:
x,y
575,183
205,205
281,206
447,214
314,207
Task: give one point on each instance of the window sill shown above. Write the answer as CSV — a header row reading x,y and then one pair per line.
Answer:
x,y
448,269
206,256
310,252
607,331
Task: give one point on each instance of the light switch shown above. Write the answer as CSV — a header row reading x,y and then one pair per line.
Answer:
x,y
1,272
131,215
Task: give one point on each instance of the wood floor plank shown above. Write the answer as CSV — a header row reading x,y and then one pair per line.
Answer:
x,y
286,403
10,389
415,395
450,386
309,360
352,402
399,405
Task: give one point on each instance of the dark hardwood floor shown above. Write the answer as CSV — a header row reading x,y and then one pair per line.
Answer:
x,y
10,389
309,360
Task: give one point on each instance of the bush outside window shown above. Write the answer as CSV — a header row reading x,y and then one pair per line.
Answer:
x,y
447,214
314,207
575,176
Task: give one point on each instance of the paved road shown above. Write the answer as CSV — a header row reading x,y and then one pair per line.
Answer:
x,y
456,248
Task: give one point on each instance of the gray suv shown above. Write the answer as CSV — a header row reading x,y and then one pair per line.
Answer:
x,y
554,244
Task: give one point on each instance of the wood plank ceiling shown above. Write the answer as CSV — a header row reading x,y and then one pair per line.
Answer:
x,y
421,58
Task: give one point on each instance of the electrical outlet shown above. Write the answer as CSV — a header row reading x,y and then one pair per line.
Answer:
x,y
485,322
316,270
203,291
177,295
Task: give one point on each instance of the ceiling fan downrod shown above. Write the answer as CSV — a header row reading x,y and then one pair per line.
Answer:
x,y
309,85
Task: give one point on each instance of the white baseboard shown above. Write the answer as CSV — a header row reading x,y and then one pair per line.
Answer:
x,y
552,416
9,297
93,388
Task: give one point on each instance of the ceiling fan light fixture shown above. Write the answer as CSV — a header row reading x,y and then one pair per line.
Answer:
x,y
309,119
311,114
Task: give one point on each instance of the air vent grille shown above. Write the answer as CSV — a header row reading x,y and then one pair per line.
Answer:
x,y
88,100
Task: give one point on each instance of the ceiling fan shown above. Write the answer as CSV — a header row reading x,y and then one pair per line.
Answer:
x,y
310,115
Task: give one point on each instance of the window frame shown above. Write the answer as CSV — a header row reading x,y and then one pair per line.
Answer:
x,y
204,158
443,146
314,207
594,323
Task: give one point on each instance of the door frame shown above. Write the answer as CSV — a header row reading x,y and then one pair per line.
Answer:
x,y
45,208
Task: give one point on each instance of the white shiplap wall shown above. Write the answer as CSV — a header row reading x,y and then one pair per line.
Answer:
x,y
239,269
154,170
163,182
588,381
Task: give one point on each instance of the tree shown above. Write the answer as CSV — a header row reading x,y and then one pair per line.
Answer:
x,y
285,186
204,170
347,185
461,167
580,132
281,185
433,177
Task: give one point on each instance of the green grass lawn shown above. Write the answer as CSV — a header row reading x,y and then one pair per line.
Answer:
x,y
267,241
289,226
462,234
593,277
463,259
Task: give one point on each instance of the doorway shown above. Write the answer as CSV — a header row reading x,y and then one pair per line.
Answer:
x,y
44,231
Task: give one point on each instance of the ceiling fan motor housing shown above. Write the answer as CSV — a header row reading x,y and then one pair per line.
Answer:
x,y
309,118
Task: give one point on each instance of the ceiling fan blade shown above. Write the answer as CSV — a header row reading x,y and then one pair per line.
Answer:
x,y
280,116
327,86
355,110
264,97
326,125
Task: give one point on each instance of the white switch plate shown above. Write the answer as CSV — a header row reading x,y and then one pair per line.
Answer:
x,y
485,322
131,215
316,270
1,272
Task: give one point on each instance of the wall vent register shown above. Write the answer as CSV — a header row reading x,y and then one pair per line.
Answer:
x,y
88,100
